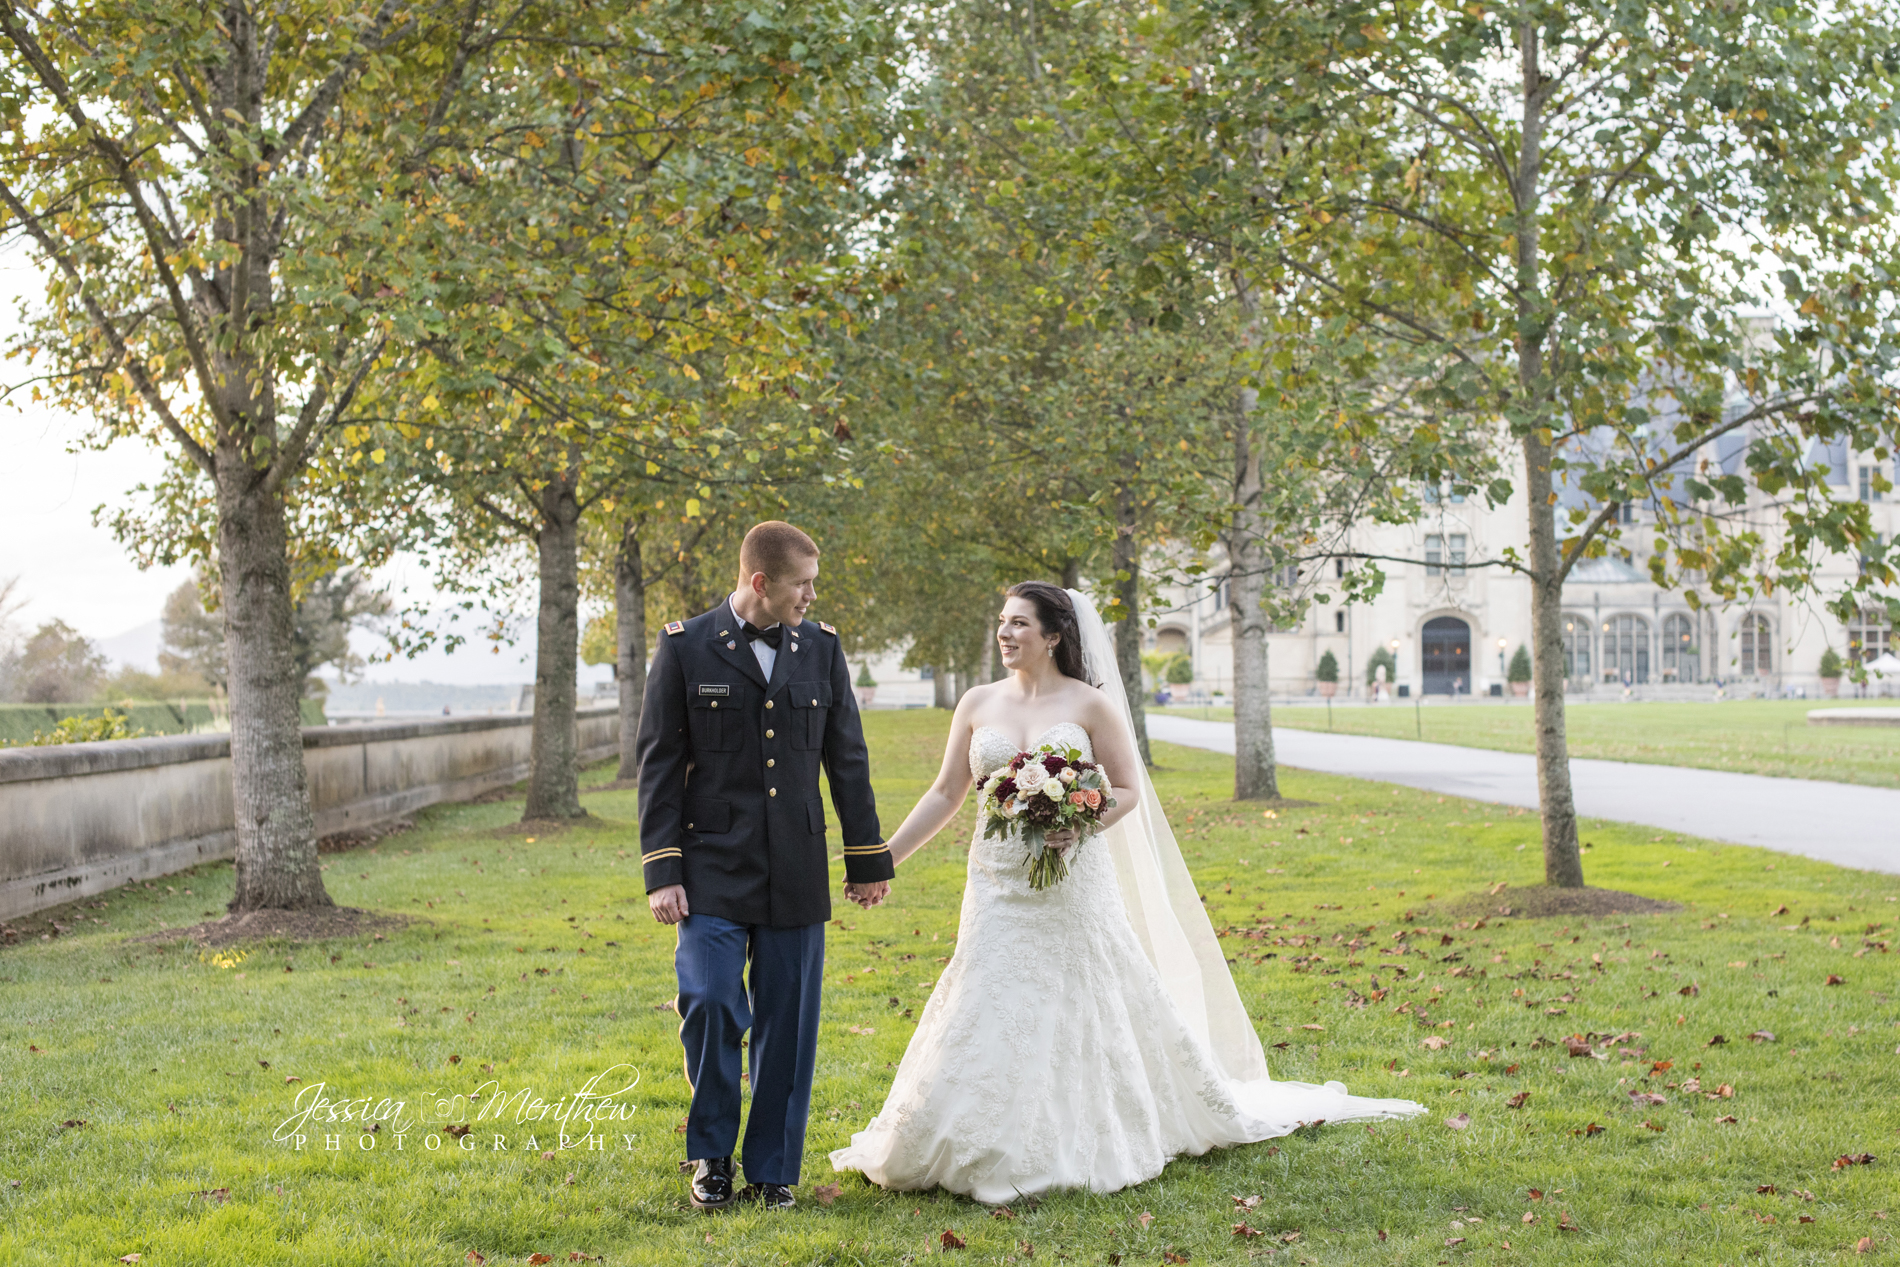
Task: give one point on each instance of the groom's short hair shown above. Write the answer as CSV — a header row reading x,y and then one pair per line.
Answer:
x,y
771,548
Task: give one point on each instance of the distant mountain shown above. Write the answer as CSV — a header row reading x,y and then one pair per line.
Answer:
x,y
136,648
421,697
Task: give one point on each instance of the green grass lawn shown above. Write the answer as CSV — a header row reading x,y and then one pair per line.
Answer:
x,y
537,957
1750,736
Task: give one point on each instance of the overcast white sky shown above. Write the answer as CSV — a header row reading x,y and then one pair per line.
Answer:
x,y
73,571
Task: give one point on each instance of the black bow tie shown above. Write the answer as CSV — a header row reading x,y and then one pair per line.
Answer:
x,y
771,637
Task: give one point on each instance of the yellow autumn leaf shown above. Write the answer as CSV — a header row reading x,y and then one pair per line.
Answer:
x,y
692,507
429,402
377,456
687,369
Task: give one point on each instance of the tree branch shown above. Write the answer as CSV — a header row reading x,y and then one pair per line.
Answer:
x,y
133,368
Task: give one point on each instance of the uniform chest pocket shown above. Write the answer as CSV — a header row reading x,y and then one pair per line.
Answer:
x,y
715,723
811,705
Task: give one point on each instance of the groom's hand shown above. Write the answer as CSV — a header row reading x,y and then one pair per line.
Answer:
x,y
668,904
868,895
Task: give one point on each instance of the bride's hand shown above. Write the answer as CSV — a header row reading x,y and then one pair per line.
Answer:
x,y
1062,841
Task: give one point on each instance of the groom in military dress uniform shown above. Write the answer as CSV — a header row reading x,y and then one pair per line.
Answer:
x,y
744,704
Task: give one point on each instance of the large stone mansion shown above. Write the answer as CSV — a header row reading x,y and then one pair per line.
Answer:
x,y
1455,628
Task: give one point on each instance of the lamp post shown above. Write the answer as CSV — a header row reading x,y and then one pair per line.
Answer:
x,y
1500,659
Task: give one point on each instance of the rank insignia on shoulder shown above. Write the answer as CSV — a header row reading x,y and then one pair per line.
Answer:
x,y
827,628
675,626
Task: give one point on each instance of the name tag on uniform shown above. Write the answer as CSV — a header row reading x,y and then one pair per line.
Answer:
x,y
718,689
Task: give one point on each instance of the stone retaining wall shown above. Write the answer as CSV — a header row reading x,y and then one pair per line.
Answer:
x,y
80,819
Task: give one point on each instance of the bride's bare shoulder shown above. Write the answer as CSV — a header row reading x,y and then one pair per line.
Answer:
x,y
976,700
1093,708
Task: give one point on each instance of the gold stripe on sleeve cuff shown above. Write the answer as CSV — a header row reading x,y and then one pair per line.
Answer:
x,y
657,854
853,851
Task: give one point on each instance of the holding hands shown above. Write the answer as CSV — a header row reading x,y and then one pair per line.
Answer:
x,y
869,894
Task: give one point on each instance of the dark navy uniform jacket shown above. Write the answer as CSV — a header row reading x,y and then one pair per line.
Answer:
x,y
729,801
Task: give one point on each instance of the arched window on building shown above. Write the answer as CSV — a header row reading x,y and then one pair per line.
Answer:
x,y
1576,647
1869,636
1626,650
1681,659
1758,646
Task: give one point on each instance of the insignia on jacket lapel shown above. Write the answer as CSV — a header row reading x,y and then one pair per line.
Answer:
x,y
676,626
709,688
827,628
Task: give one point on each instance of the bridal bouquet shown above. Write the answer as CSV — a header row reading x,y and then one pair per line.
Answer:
x,y
1043,791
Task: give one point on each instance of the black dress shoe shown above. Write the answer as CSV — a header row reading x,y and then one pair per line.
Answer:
x,y
771,1196
712,1183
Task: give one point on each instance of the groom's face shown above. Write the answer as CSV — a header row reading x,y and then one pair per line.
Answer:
x,y
786,598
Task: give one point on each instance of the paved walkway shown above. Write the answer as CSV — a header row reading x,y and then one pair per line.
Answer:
x,y
1842,823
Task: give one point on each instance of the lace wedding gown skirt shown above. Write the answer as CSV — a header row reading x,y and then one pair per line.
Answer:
x,y
1050,1056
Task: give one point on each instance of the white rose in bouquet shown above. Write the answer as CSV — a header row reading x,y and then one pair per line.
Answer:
x,y
1054,790
1030,778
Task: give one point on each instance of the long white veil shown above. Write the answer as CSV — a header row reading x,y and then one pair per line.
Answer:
x,y
1158,891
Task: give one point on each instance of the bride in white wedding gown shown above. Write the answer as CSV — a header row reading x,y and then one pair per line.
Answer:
x,y
1084,1035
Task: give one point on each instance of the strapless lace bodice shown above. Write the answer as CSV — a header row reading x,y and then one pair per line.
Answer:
x,y
990,749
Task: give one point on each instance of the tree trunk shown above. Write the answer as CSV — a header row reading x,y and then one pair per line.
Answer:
x,y
1071,573
1126,560
270,790
943,687
1563,862
1256,772
630,645
554,750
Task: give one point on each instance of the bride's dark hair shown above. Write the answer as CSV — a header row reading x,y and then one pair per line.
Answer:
x,y
1055,612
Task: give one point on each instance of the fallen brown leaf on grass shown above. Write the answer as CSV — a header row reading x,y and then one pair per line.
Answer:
x,y
535,1260
1765,1190
1435,1042
826,1193
1864,1245
1458,1121
1518,1101
219,1195
1174,1256
575,1256
1002,1212
1728,1117
1592,1129
129,1258
1762,1036
1247,1233
1453,1240
474,1256
1246,1203
1834,980
1528,1217
950,1240
1853,1159
1144,1218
